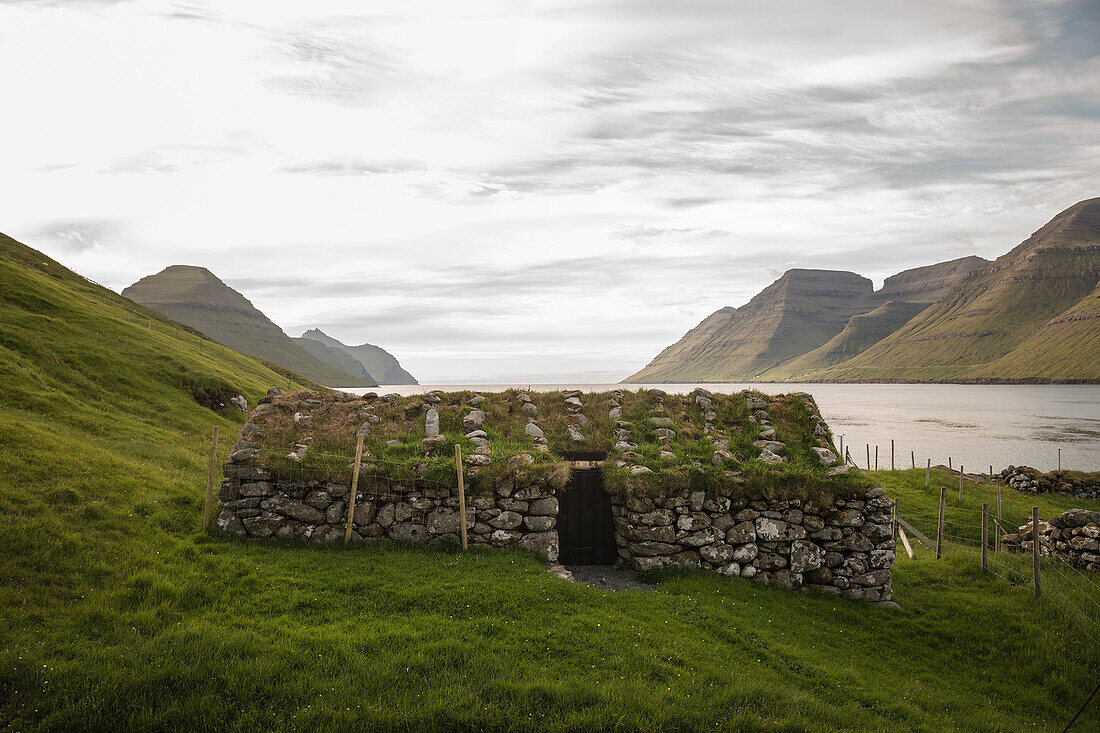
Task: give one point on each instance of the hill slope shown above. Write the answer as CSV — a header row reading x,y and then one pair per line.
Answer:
x,y
1058,349
382,365
984,328
193,295
120,615
797,313
862,332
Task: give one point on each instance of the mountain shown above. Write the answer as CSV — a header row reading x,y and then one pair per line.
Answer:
x,y
194,296
905,294
334,357
1028,316
797,313
1005,321
379,362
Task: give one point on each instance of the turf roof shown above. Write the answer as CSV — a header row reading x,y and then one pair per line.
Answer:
x,y
630,437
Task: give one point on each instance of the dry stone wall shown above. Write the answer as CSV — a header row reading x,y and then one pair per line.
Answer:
x,y
845,549
254,505
1032,481
1073,536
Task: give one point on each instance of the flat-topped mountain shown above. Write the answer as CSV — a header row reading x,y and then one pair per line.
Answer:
x,y
929,283
382,365
797,313
196,297
903,296
963,320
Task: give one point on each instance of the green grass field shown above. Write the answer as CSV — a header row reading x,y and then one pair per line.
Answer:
x,y
119,614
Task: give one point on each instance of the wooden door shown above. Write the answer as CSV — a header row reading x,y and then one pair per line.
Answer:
x,y
586,532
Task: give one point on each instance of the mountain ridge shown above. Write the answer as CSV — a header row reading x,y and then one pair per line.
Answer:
x,y
807,306
381,364
195,296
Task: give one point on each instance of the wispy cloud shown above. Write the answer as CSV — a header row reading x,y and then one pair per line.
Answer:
x,y
80,235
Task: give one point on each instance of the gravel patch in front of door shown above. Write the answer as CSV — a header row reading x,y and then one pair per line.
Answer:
x,y
604,577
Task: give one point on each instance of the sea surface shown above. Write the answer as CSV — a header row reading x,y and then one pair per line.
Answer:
x,y
977,426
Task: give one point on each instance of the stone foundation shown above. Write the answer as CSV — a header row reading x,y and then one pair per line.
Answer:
x,y
845,549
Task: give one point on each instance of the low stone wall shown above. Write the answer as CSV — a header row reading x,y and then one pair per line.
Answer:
x,y
252,505
1030,480
1073,536
845,549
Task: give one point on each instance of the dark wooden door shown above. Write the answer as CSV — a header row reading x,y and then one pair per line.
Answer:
x,y
586,532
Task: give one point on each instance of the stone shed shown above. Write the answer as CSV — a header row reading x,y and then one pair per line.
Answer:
x,y
745,485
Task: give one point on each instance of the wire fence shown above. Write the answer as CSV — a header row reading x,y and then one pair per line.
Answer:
x,y
1064,588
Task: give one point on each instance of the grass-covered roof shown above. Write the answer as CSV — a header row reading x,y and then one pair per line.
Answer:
x,y
746,442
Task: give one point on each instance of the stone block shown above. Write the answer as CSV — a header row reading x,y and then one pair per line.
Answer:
x,y
777,529
806,556
539,524
411,533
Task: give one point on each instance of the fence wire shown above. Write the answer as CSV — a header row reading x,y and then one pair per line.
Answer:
x,y
1065,589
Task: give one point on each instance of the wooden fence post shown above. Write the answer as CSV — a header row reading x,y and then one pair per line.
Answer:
x,y
913,457
997,536
876,457
928,474
1035,548
354,487
868,456
985,535
210,481
905,542
961,467
891,454
461,495
939,524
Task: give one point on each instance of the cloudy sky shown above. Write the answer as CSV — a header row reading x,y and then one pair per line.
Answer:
x,y
550,189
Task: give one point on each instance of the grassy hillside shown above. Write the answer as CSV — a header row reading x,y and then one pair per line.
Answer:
x,y
193,295
1058,350
862,332
797,313
998,312
382,365
118,614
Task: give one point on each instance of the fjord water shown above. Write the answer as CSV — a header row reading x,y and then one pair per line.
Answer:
x,y
973,425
